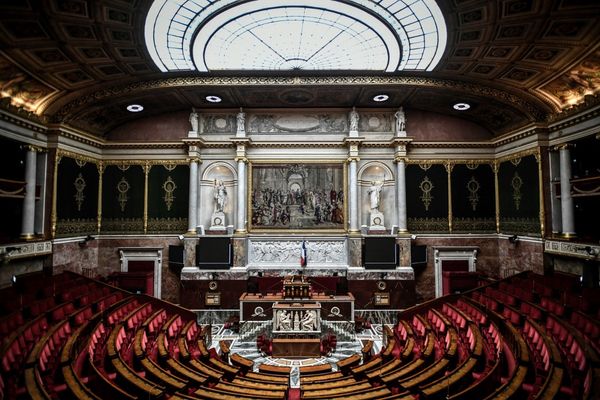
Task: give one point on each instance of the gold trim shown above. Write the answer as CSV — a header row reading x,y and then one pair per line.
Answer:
x,y
101,168
27,236
520,154
77,157
54,217
495,169
538,158
146,167
449,167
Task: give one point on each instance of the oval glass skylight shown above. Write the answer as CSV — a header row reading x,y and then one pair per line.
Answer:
x,y
389,35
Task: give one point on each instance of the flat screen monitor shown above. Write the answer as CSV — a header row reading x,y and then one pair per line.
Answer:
x,y
380,253
214,253
418,254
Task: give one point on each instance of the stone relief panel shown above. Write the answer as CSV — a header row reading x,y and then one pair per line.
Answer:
x,y
286,253
291,123
218,123
375,122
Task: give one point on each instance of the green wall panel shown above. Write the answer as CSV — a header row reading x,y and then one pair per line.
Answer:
x,y
168,196
519,196
76,197
473,198
123,199
427,198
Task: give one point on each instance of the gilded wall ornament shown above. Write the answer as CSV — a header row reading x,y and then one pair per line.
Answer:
x,y
123,187
515,161
169,187
79,187
425,166
124,167
426,186
473,188
80,163
516,184
170,167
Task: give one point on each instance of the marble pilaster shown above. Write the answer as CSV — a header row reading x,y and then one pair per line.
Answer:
x,y
353,187
401,195
193,197
566,201
28,221
240,223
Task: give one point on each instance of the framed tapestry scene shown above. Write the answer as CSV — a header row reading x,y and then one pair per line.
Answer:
x,y
297,196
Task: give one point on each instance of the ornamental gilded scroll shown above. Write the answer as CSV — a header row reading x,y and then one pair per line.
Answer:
x,y
473,188
79,184
123,187
516,184
426,187
169,187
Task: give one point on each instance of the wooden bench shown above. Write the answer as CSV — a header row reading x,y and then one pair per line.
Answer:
x,y
441,386
185,372
367,350
164,377
75,386
345,364
265,377
224,347
241,362
408,369
223,366
379,370
426,374
245,390
206,369
321,377
141,385
337,392
241,381
216,394
315,369
329,384
274,369
34,385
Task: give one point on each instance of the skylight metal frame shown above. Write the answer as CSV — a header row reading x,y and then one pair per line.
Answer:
x,y
173,27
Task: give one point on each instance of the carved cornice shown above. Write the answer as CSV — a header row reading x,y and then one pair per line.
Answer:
x,y
143,145
452,145
76,156
191,81
20,121
584,116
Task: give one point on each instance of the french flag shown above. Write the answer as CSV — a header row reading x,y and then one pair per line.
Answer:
x,y
303,258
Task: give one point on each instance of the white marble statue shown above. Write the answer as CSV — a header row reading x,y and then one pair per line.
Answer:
x,y
309,320
241,122
400,120
284,321
194,120
375,194
353,120
220,195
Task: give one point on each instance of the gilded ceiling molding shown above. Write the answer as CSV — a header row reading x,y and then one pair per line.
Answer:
x,y
533,151
95,95
76,156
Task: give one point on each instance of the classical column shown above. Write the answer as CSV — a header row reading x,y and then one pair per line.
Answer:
x,y
240,223
353,187
193,196
566,201
401,194
27,227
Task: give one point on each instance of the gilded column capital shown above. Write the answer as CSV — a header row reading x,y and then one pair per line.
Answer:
x,y
352,158
398,159
193,159
242,159
563,146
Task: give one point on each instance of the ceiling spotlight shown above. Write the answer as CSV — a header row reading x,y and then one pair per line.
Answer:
x,y
213,99
462,106
381,97
135,108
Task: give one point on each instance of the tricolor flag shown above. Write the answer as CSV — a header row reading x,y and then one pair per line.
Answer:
x,y
303,258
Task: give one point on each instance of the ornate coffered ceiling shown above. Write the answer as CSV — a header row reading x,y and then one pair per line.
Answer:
x,y
515,61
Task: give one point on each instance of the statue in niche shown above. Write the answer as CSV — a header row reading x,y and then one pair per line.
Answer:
x,y
220,195
241,122
354,119
400,120
194,120
375,194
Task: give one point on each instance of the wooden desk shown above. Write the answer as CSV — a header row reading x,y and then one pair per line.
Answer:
x,y
249,302
283,347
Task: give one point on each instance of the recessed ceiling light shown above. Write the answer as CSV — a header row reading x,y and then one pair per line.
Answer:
x,y
213,99
462,106
381,97
135,108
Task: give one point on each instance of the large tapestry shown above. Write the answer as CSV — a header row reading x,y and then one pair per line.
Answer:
x,y
297,196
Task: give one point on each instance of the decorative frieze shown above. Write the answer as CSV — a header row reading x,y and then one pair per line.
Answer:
x,y
571,249
285,253
23,250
